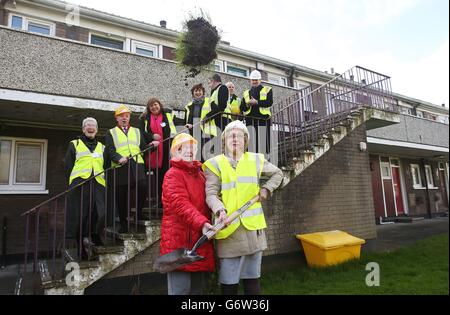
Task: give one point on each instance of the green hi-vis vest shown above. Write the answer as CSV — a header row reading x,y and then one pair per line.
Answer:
x,y
234,106
87,162
215,99
208,128
127,145
262,97
173,129
239,186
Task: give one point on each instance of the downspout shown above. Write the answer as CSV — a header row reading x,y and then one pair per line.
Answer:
x,y
4,229
291,76
422,162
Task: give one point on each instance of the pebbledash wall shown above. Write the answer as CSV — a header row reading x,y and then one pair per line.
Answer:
x,y
335,192
32,62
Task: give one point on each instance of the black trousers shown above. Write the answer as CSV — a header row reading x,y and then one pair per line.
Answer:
x,y
122,200
260,133
84,203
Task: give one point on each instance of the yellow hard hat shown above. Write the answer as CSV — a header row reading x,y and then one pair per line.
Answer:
x,y
122,109
179,140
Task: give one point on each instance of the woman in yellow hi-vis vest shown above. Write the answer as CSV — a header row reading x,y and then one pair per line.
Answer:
x,y
199,110
156,123
232,179
85,159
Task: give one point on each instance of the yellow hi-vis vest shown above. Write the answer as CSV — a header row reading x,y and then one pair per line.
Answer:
x,y
234,106
239,186
262,97
215,99
208,128
87,162
127,145
173,129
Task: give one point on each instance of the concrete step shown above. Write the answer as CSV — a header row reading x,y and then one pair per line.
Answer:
x,y
407,219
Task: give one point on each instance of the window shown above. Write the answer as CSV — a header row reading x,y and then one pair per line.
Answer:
x,y
106,42
406,110
144,49
218,65
32,25
385,170
275,79
417,179
430,180
237,71
419,113
443,119
300,85
23,164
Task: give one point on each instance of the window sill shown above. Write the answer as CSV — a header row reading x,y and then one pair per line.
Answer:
x,y
23,192
423,188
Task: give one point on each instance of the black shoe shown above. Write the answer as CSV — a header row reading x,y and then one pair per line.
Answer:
x,y
96,240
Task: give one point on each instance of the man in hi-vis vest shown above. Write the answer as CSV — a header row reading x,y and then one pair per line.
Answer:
x,y
122,142
255,105
232,179
85,159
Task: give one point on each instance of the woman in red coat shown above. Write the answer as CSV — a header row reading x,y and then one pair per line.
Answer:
x,y
186,217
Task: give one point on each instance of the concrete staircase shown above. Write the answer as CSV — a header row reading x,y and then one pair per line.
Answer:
x,y
113,256
108,259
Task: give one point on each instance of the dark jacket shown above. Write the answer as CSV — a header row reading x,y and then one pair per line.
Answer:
x,y
221,122
122,172
148,135
254,112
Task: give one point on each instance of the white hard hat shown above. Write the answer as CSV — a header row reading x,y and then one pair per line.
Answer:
x,y
255,75
237,124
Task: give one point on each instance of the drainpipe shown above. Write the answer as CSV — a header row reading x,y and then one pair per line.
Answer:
x,y
4,229
291,77
422,161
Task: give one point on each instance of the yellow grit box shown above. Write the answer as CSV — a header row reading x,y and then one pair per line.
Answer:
x,y
330,247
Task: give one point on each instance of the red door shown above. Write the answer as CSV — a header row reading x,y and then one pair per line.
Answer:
x,y
397,190
443,187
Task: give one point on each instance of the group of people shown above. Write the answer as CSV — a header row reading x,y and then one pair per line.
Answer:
x,y
195,195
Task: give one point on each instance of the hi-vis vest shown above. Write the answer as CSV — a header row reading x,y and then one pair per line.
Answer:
x,y
234,106
127,145
173,129
215,99
87,162
208,128
262,97
239,186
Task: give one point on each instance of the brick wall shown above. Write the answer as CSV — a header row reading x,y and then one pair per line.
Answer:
x,y
11,206
333,193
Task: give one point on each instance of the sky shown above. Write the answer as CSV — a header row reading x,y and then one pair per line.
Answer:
x,y
407,40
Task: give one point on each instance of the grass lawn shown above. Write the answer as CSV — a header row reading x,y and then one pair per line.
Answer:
x,y
421,268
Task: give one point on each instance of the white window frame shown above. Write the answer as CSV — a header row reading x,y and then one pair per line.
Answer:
x,y
430,177
280,80
24,188
388,166
419,113
111,37
419,175
143,45
300,85
220,64
26,20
